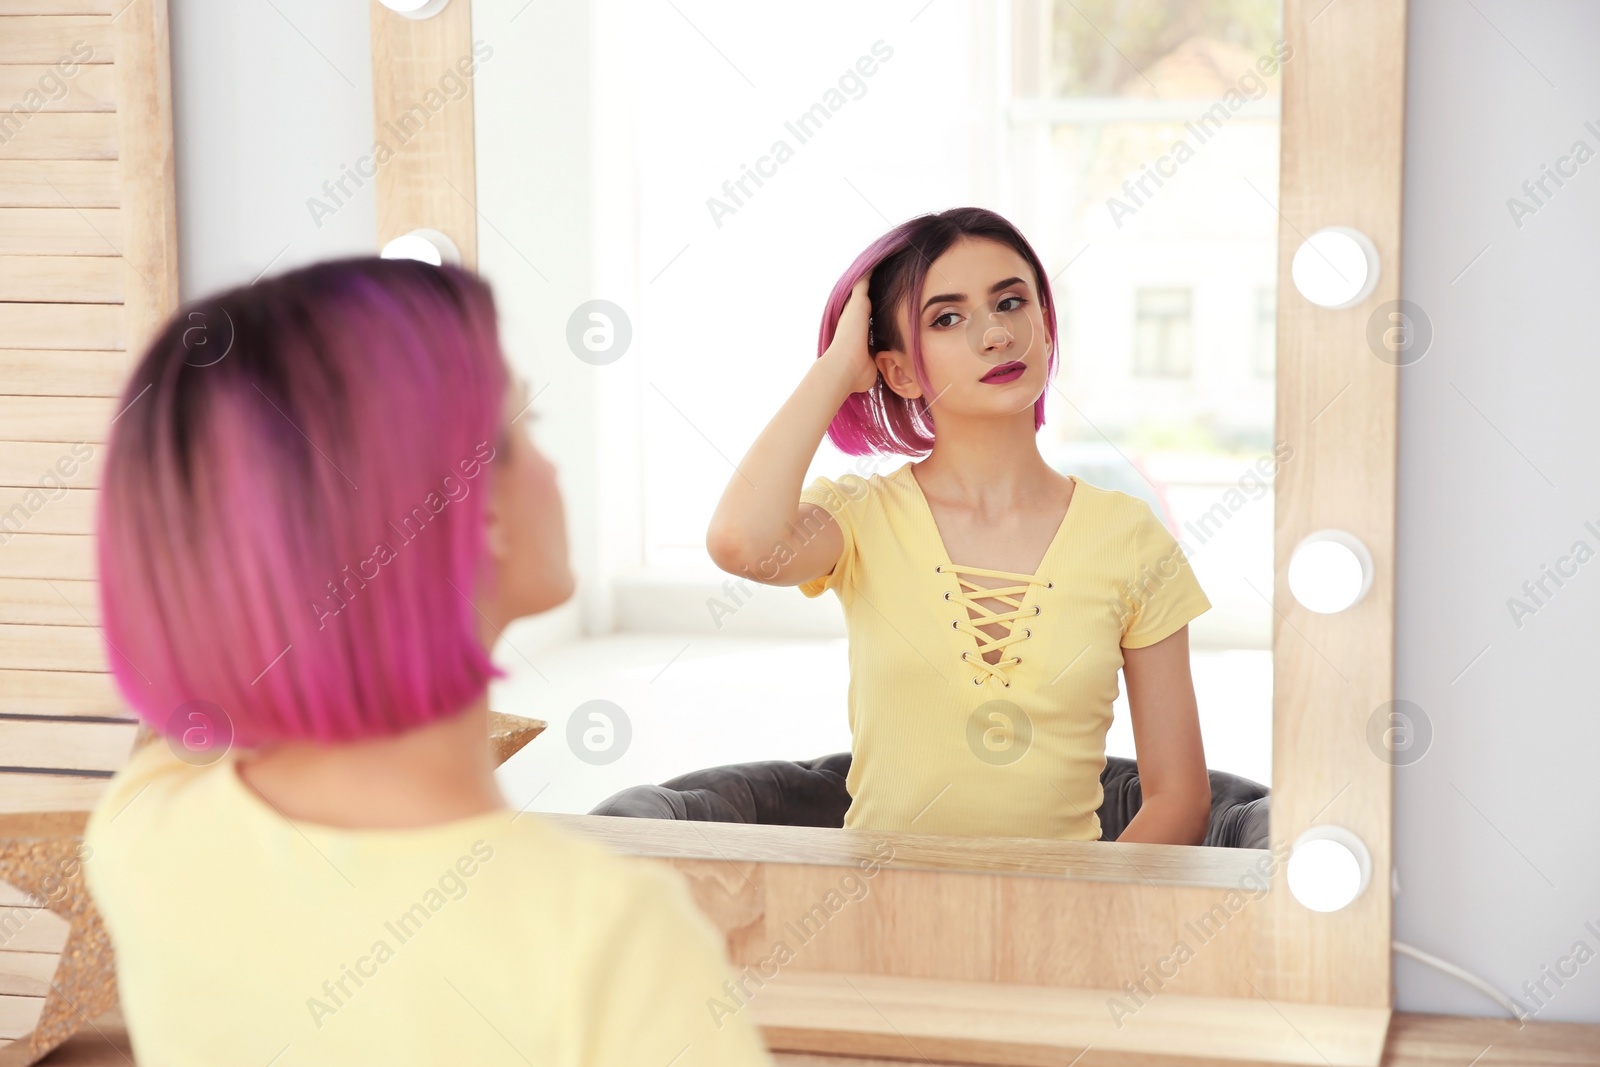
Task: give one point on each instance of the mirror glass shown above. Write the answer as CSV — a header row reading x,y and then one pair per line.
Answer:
x,y
667,194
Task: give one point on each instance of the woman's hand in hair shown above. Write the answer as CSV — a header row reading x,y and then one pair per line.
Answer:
x,y
849,345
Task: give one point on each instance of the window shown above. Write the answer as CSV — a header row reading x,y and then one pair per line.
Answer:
x,y
1266,346
1163,333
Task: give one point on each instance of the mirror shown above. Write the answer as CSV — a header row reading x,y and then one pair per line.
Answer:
x,y
666,196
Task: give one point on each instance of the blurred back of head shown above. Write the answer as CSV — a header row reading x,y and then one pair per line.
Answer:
x,y
291,526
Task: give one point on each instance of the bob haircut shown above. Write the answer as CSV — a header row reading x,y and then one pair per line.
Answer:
x,y
287,532
881,420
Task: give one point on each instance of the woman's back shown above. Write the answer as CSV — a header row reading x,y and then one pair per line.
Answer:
x,y
244,937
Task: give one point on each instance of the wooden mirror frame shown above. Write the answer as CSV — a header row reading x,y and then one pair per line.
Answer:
x,y
1008,961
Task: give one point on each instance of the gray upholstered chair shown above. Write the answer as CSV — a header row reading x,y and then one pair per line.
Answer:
x,y
812,793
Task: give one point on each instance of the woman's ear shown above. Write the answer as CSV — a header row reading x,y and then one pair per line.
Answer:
x,y
496,535
895,366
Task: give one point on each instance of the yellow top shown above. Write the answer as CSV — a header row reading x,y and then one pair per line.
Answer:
x,y
244,938
945,742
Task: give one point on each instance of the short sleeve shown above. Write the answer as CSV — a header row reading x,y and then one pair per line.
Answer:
x,y
837,499
1162,594
659,992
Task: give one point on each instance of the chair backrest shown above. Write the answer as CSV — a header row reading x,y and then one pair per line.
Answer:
x,y
813,793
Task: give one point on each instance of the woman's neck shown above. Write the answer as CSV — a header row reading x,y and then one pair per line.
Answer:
x,y
433,774
989,464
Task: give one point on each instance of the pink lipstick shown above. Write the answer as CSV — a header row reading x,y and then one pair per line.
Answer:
x,y
1005,372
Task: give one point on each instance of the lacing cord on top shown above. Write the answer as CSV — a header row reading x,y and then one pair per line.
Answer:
x,y
1011,596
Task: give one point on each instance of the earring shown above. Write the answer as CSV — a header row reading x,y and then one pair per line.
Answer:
x,y
869,331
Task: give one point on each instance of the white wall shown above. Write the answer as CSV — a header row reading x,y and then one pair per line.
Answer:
x,y
268,101
1497,826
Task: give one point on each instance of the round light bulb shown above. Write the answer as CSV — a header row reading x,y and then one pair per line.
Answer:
x,y
429,246
1328,868
1336,267
415,9
1329,571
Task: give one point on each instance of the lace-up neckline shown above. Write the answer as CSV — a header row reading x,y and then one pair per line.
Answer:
x,y
1010,595
1016,594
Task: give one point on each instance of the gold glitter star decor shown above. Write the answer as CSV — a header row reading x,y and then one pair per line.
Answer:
x,y
56,970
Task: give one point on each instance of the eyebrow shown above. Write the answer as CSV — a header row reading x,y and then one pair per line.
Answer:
x,y
955,298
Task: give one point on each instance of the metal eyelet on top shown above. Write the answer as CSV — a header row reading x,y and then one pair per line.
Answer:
x,y
977,681
947,596
1049,585
938,569
1026,632
955,624
1037,609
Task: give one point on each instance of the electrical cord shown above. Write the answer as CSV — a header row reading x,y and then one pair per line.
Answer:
x,y
1466,976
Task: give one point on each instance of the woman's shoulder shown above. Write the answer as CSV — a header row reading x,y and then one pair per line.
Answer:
x,y
153,772
1115,505
858,483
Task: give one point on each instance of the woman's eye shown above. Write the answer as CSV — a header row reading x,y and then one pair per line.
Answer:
x,y
941,322
1014,303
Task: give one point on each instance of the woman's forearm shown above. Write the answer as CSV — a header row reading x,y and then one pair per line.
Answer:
x,y
759,503
1170,820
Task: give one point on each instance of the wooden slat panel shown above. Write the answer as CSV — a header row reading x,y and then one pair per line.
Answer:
x,y
51,648
49,792
58,136
60,279
60,692
32,929
85,183
87,89
64,192
24,463
19,1015
79,746
47,556
54,38
44,510
26,974
61,7
56,602
56,418
62,326
59,231
45,372
10,897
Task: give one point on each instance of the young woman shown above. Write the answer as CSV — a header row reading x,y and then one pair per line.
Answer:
x,y
320,507
990,601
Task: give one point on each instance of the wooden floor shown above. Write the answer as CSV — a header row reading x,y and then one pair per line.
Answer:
x,y
1414,1041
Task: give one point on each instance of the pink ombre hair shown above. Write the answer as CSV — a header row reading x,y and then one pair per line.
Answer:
x,y
245,495
881,420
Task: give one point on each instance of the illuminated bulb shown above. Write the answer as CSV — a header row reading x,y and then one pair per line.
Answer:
x,y
1328,868
429,246
415,9
1336,268
1329,571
